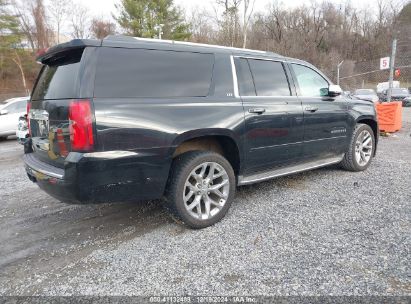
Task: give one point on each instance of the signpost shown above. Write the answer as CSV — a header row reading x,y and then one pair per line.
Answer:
x,y
392,62
384,63
338,72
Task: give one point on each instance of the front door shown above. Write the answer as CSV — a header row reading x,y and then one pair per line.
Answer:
x,y
325,118
273,114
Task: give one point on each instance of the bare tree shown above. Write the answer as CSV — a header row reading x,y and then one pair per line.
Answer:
x,y
40,22
201,27
229,25
17,60
59,11
25,24
80,21
247,14
101,28
33,23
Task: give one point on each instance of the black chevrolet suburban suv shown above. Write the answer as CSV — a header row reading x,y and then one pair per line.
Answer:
x,y
128,119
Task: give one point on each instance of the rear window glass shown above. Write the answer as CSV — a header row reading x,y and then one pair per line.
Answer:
x,y
123,73
58,79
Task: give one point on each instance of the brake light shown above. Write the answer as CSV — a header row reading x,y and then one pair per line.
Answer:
x,y
81,125
27,116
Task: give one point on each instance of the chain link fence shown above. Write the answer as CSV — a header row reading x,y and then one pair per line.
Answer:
x,y
367,74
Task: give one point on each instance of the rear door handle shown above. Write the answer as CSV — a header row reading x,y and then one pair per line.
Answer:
x,y
256,110
311,109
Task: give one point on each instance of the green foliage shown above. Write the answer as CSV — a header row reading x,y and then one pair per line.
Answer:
x,y
9,27
140,17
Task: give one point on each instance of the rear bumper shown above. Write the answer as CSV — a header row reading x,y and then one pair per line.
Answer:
x,y
100,178
51,180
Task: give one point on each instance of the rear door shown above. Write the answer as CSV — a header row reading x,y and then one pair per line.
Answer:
x,y
325,118
273,114
64,78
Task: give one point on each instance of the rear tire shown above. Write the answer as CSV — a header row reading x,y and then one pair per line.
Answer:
x,y
200,189
361,149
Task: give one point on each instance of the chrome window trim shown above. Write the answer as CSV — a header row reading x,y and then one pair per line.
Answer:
x,y
267,97
197,44
259,58
235,79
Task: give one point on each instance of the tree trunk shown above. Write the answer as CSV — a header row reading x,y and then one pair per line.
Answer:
x,y
248,12
17,61
245,38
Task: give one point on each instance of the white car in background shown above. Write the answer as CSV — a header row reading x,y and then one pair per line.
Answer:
x,y
10,114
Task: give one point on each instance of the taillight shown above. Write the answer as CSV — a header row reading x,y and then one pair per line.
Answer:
x,y
81,125
27,116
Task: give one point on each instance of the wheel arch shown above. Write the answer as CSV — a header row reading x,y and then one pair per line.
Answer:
x,y
220,141
373,124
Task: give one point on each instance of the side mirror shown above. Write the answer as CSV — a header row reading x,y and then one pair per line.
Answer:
x,y
4,112
334,90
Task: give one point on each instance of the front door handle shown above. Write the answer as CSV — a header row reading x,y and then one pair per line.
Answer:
x,y
311,109
256,110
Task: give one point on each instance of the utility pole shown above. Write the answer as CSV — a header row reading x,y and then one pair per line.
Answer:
x,y
338,72
392,63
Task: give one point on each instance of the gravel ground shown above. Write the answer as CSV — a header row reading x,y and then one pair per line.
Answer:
x,y
324,232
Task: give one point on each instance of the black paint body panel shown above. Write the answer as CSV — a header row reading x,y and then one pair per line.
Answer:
x,y
137,137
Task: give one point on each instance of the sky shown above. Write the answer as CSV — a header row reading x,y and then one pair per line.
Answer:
x,y
104,8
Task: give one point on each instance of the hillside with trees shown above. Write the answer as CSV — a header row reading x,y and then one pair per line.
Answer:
x,y
320,32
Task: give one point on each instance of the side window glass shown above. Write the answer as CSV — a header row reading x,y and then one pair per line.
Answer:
x,y
310,82
138,73
269,78
244,78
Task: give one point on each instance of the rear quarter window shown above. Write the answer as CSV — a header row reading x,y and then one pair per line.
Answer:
x,y
245,79
128,73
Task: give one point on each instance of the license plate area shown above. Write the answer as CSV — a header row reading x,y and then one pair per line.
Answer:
x,y
39,123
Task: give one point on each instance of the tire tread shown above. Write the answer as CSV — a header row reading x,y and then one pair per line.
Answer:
x,y
181,164
178,166
348,162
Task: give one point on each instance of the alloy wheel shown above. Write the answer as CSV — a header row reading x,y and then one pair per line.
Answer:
x,y
363,148
206,190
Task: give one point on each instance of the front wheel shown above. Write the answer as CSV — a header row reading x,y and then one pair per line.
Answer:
x,y
200,189
361,149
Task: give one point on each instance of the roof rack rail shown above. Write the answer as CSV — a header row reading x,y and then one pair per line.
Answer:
x,y
129,38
